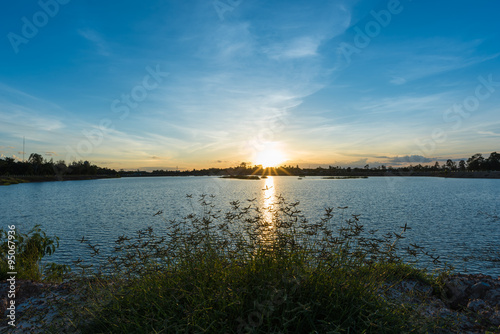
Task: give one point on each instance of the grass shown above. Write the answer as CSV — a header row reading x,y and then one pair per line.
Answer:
x,y
24,251
6,181
248,271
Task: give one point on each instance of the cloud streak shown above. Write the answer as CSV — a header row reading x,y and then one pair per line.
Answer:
x,y
269,72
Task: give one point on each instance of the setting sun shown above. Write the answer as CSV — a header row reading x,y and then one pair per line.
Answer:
x,y
270,156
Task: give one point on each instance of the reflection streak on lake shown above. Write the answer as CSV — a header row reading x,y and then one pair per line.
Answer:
x,y
457,219
268,198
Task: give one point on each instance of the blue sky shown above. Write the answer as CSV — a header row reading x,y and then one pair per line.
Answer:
x,y
194,84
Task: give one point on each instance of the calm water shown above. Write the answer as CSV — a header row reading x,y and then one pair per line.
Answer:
x,y
457,219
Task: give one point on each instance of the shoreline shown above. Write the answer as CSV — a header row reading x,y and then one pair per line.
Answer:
x,y
9,180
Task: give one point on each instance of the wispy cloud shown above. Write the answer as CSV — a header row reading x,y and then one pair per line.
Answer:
x,y
410,159
269,72
93,36
489,133
421,59
404,104
23,114
296,48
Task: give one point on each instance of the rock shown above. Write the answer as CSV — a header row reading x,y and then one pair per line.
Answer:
x,y
495,318
477,305
414,286
479,290
456,292
493,296
3,305
408,285
425,289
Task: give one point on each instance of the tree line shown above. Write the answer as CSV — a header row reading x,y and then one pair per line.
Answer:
x,y
475,163
38,165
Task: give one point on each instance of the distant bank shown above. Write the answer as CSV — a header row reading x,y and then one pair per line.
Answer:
x,y
457,174
8,180
476,175
326,173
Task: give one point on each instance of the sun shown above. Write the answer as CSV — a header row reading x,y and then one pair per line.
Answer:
x,y
270,156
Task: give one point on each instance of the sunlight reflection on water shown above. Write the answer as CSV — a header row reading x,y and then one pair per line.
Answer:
x,y
268,199
456,217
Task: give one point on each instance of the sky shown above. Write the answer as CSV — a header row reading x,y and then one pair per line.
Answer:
x,y
212,83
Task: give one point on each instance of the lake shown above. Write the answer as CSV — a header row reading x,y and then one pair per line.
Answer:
x,y
457,219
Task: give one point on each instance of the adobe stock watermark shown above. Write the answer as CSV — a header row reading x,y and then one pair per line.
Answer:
x,y
31,26
457,113
223,6
372,29
122,106
139,93
11,271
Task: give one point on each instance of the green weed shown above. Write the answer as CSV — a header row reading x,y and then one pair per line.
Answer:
x,y
249,270
29,250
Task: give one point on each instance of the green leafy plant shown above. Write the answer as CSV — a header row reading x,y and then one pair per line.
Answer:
x,y
30,248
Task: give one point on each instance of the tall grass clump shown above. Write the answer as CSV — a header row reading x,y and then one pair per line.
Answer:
x,y
249,270
26,252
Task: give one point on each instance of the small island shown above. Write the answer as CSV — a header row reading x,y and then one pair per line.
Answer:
x,y
241,177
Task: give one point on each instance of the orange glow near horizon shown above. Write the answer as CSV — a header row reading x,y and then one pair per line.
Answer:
x,y
270,156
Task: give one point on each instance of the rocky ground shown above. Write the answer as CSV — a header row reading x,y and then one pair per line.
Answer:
x,y
467,304
35,305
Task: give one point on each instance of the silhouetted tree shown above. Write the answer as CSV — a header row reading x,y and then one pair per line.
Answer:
x,y
36,160
476,162
451,165
60,168
493,161
462,165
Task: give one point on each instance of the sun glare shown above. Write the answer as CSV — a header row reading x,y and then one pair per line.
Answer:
x,y
270,156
